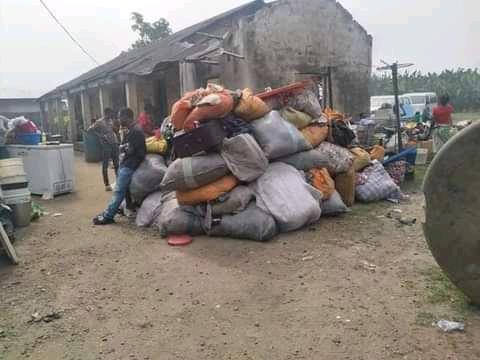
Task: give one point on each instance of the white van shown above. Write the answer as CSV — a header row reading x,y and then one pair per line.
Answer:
x,y
421,101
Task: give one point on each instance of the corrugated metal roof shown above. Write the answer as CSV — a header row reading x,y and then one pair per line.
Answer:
x,y
142,61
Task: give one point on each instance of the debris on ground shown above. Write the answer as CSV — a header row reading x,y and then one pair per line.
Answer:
x,y
409,221
49,317
449,326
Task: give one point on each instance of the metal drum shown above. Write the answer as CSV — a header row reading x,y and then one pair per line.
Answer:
x,y
452,193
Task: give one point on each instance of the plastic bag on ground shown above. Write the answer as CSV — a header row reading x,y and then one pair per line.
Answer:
x,y
345,186
156,145
213,106
178,220
232,202
193,172
335,158
322,181
250,107
244,157
148,177
208,192
333,205
361,158
295,117
149,211
253,224
374,184
283,193
307,102
278,137
315,134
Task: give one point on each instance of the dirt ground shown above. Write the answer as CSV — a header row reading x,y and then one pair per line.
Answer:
x,y
361,286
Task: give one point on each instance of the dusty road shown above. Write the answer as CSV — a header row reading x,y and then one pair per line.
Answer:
x,y
357,287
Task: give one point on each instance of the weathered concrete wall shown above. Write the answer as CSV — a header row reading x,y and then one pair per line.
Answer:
x,y
288,37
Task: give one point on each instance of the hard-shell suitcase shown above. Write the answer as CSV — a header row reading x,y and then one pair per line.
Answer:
x,y
207,136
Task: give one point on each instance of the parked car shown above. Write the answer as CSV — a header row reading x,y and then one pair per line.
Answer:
x,y
422,102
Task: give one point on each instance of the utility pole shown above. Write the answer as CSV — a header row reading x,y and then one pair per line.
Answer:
x,y
394,69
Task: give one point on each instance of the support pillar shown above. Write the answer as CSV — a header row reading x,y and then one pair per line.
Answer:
x,y
132,97
73,119
86,113
105,94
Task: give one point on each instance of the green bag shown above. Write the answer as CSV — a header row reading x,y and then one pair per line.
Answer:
x,y
295,117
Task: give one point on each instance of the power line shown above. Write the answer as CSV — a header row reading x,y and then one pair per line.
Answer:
x,y
68,33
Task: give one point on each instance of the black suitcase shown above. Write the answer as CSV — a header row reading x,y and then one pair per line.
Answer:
x,y
208,136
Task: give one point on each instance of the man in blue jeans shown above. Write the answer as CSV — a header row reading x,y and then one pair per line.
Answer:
x,y
134,150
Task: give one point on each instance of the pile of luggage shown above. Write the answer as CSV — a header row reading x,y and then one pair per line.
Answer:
x,y
238,166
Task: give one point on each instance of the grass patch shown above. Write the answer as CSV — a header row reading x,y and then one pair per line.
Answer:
x,y
425,318
440,290
466,116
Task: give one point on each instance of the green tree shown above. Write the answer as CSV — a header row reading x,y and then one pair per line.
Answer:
x,y
147,31
463,86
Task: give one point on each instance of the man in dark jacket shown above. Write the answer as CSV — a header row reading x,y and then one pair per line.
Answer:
x,y
134,150
106,129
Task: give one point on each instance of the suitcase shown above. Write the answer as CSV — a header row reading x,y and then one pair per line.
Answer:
x,y
207,136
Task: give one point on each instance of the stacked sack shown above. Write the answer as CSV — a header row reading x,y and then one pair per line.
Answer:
x,y
275,171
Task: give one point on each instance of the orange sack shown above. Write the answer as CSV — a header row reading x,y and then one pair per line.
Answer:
x,y
180,111
377,153
213,106
322,181
251,107
208,192
315,134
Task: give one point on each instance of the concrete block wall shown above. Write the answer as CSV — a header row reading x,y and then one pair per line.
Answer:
x,y
288,37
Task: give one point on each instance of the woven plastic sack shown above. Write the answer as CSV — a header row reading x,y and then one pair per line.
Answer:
x,y
148,177
193,172
295,117
178,220
361,158
208,192
250,107
345,186
315,134
307,102
213,106
334,205
283,193
335,158
253,224
149,211
244,157
278,137
235,126
156,145
374,184
232,202
322,181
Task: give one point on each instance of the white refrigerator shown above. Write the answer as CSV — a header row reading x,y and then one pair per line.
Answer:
x,y
49,168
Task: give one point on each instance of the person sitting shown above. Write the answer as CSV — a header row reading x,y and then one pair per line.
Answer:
x,y
107,130
133,149
145,120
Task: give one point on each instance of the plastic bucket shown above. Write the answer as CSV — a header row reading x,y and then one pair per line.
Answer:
x,y
29,138
92,147
12,171
21,213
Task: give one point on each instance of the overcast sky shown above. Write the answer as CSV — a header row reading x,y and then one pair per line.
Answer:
x,y
36,56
